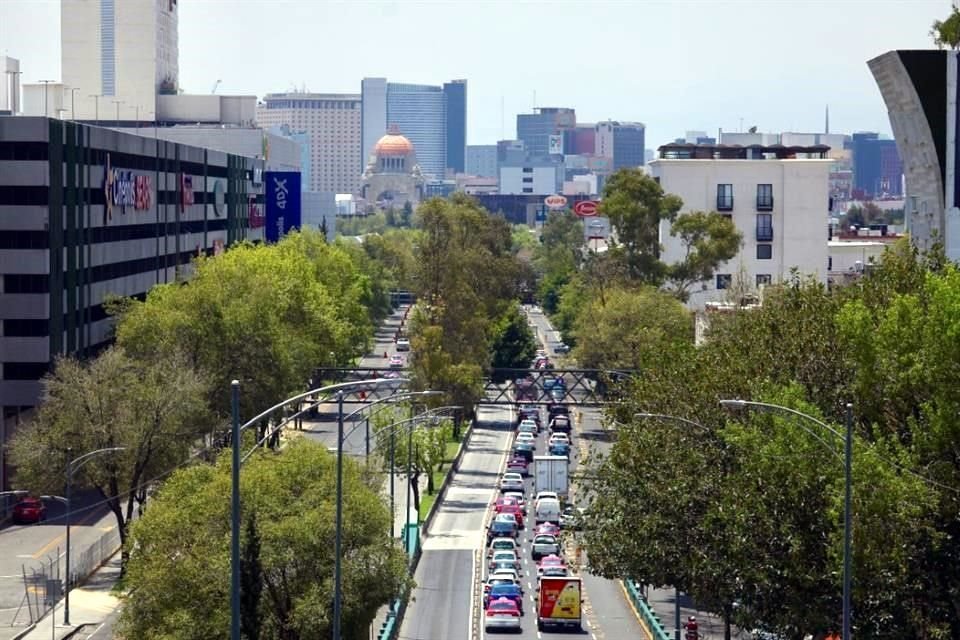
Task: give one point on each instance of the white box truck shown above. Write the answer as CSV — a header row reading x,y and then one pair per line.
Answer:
x,y
551,474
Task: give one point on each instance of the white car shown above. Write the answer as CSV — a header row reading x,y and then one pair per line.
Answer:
x,y
505,573
502,544
546,494
502,577
504,556
511,482
559,437
403,344
528,426
526,437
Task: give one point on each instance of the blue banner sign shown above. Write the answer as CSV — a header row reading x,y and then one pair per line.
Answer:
x,y
282,193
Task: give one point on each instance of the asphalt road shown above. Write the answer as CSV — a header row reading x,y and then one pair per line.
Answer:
x,y
30,547
445,596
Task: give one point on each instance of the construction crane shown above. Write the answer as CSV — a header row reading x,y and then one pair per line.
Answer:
x,y
215,85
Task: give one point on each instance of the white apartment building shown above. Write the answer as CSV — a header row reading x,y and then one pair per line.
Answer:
x,y
778,198
118,54
530,179
332,122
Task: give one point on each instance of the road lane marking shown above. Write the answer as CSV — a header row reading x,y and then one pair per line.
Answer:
x,y
81,522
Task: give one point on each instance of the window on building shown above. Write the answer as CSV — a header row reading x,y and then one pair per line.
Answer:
x,y
724,280
764,197
764,278
724,197
764,227
528,189
764,251
528,169
528,179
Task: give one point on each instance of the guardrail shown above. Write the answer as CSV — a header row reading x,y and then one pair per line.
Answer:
x,y
648,617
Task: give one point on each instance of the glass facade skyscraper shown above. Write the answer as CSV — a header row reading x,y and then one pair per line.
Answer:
x,y
455,100
535,129
433,118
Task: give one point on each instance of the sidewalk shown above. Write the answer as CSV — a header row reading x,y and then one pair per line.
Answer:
x,y
90,606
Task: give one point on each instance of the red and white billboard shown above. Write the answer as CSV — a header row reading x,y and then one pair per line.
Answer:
x,y
586,208
555,202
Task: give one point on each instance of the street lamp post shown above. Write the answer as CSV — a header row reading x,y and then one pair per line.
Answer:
x,y
339,535
96,107
235,513
46,87
118,103
73,465
676,593
848,491
73,108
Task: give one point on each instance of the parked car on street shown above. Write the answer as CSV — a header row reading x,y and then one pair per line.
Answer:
x,y
29,511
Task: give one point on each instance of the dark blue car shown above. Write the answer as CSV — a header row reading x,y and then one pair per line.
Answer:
x,y
560,449
511,591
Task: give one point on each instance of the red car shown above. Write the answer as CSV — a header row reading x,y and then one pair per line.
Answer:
x,y
502,502
29,511
548,528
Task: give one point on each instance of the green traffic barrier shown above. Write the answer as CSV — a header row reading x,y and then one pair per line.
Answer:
x,y
645,612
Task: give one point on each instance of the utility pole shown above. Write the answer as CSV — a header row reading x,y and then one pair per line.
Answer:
x,y
96,107
46,86
118,103
73,108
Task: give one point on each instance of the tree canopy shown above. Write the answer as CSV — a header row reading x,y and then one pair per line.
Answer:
x,y
744,512
179,570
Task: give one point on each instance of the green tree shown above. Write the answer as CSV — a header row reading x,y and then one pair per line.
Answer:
x,y
406,214
636,204
630,330
251,580
156,410
265,315
946,33
513,345
558,257
179,575
708,240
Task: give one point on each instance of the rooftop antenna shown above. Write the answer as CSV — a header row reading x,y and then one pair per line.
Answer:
x,y
826,124
502,137
534,100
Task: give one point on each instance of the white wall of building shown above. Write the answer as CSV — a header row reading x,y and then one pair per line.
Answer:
x,y
144,42
318,208
192,108
284,153
39,96
799,215
528,180
848,256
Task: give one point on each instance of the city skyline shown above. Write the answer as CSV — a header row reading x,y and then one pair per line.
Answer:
x,y
696,63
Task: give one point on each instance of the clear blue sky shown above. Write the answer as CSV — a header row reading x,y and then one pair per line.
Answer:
x,y
674,65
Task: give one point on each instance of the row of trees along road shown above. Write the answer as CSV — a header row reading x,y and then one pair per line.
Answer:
x,y
745,513
617,308
266,315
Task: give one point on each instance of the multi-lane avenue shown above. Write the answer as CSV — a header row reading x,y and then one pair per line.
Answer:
x,y
447,602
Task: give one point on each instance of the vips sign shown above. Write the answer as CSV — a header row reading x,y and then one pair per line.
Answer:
x,y
282,192
123,189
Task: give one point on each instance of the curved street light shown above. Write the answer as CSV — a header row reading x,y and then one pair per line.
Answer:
x,y
848,487
72,466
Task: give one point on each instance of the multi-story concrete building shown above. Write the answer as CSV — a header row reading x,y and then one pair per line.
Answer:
x,y
332,122
777,198
482,160
622,142
434,118
542,132
86,212
9,85
531,177
119,51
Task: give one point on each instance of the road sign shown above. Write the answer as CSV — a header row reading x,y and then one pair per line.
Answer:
x,y
586,208
555,201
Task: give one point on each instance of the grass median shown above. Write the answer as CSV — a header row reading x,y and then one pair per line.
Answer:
x,y
439,475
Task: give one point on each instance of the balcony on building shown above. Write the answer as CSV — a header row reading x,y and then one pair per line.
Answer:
x,y
764,231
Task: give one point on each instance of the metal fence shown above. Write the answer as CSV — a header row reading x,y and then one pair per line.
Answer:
x,y
43,586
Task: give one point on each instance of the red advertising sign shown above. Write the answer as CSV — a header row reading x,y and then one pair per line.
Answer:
x,y
555,201
586,208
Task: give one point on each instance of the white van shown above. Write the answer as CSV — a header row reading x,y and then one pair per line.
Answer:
x,y
548,510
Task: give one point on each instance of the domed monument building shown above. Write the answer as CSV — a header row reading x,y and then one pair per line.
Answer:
x,y
392,176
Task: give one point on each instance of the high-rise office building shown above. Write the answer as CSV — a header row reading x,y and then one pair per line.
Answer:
x,y
332,123
118,54
434,118
877,169
482,160
455,112
623,142
543,131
